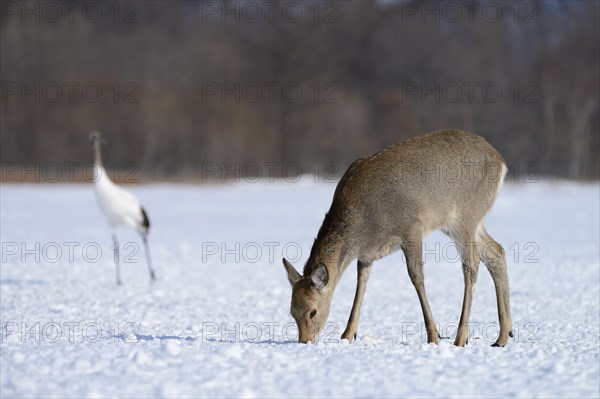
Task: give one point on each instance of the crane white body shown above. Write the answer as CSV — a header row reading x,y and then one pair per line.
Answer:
x,y
119,207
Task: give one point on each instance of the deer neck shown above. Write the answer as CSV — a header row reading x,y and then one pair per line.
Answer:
x,y
331,249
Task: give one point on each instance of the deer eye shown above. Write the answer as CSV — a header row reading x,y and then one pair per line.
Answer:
x,y
313,313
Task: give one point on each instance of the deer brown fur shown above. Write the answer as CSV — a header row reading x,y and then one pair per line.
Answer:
x,y
445,180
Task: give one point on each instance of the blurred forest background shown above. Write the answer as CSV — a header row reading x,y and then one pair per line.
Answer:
x,y
184,83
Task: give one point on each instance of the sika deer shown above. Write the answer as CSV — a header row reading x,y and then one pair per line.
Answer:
x,y
445,180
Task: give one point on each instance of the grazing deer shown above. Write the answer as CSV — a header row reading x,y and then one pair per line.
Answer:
x,y
446,180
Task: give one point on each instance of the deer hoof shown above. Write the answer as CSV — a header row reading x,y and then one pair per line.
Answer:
x,y
350,337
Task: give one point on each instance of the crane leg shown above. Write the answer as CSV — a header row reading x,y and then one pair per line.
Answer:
x,y
116,258
148,259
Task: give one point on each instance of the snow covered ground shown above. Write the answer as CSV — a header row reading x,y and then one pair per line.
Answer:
x,y
217,324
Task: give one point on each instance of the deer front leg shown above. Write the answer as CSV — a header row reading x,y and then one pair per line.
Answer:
x,y
363,271
414,262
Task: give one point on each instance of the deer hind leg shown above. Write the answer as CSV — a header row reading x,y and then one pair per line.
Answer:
x,y
363,271
414,261
492,255
467,247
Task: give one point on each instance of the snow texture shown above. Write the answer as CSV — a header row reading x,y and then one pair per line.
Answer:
x,y
217,323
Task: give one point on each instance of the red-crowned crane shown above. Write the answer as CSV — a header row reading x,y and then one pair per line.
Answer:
x,y
120,207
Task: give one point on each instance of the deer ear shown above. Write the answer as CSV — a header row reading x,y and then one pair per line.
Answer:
x,y
292,274
319,276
